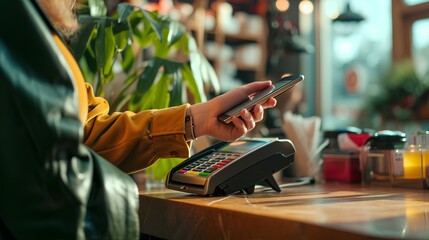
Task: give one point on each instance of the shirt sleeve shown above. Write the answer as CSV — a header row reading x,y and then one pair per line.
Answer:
x,y
133,141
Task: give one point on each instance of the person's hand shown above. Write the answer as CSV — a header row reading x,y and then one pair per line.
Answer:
x,y
205,114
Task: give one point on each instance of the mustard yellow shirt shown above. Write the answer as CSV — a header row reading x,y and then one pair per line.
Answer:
x,y
131,141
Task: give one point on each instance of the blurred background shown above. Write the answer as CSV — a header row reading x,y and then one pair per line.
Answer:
x,y
365,62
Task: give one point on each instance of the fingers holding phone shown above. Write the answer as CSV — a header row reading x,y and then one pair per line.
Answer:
x,y
245,121
262,97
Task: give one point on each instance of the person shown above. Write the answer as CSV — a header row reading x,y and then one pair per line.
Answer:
x,y
56,135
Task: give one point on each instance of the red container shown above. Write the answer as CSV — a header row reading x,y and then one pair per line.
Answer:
x,y
341,167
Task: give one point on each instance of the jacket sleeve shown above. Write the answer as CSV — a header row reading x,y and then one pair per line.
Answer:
x,y
52,186
133,141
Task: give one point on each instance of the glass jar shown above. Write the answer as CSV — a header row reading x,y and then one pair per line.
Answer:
x,y
409,171
413,158
381,157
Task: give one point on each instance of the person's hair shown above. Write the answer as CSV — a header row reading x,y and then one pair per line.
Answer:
x,y
62,15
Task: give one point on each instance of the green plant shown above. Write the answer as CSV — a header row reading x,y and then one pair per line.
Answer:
x,y
110,49
395,96
112,46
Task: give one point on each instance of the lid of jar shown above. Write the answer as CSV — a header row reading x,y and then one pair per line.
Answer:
x,y
387,139
419,140
423,136
336,132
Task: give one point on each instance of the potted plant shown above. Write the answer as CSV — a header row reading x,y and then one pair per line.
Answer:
x,y
111,51
398,94
108,45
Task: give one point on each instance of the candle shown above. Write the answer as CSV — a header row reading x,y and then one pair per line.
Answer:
x,y
413,167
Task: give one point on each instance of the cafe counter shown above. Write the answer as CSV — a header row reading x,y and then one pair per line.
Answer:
x,y
312,211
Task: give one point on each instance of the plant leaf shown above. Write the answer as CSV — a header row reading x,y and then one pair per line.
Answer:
x,y
124,95
170,66
124,11
89,68
161,167
182,44
192,85
150,16
176,91
201,66
137,27
109,47
147,78
122,34
79,42
196,74
127,59
175,33
212,77
162,95
141,102
100,43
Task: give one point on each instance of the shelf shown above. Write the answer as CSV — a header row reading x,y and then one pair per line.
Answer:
x,y
246,23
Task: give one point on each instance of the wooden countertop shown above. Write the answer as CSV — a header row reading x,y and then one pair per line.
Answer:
x,y
318,211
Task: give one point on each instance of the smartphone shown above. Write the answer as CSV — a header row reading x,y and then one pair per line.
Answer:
x,y
286,82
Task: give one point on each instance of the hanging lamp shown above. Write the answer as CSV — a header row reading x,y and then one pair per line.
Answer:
x,y
349,16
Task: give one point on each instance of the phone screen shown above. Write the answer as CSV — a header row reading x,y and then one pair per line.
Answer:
x,y
286,82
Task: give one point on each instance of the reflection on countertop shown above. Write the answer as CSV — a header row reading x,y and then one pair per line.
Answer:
x,y
304,212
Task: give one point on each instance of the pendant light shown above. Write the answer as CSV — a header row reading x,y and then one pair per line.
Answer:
x,y
349,16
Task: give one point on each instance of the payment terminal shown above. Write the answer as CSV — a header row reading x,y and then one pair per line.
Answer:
x,y
228,167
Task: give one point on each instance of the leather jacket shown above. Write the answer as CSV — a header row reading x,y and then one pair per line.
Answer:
x,y
52,186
